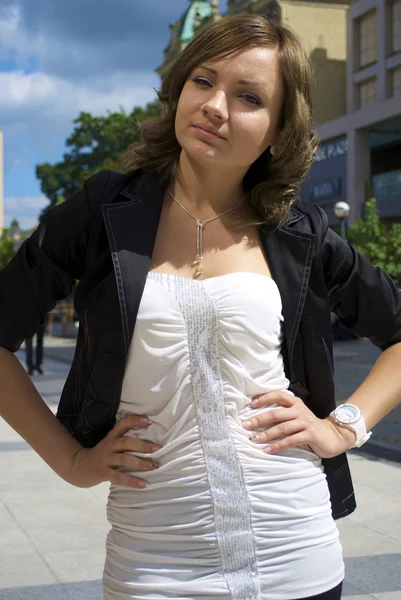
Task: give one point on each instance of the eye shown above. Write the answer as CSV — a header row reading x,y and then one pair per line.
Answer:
x,y
202,81
252,99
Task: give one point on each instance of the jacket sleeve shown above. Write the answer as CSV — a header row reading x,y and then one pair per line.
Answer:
x,y
47,265
363,296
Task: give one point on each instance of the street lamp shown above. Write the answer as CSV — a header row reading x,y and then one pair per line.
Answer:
x,y
341,210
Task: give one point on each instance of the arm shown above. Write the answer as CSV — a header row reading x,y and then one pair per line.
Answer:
x,y
26,412
43,272
381,390
366,300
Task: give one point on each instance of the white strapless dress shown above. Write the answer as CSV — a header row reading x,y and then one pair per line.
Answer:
x,y
220,519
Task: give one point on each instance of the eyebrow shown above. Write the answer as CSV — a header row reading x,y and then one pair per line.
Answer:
x,y
240,81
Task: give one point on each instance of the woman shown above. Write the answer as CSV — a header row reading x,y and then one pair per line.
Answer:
x,y
204,301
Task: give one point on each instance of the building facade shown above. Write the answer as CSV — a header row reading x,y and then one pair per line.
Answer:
x,y
356,55
363,148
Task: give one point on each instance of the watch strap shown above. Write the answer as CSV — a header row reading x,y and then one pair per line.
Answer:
x,y
359,429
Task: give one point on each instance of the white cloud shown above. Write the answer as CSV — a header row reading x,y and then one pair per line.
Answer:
x,y
39,108
75,68
26,210
24,203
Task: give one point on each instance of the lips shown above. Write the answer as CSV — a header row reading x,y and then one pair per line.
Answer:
x,y
210,130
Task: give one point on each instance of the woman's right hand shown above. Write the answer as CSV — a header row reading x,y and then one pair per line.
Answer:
x,y
103,462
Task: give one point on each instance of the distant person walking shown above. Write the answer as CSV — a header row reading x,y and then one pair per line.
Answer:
x,y
30,363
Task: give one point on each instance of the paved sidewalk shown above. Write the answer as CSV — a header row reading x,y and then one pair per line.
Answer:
x,y
45,557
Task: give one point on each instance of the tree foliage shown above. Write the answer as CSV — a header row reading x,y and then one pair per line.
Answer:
x,y
7,248
380,243
96,143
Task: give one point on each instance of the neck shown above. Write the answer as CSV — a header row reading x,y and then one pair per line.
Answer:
x,y
205,191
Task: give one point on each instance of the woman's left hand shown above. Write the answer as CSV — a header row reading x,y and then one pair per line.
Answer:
x,y
295,424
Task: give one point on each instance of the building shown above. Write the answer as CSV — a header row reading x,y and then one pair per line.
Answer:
x,y
360,153
356,55
321,24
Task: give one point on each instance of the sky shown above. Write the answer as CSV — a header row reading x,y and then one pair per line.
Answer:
x,y
60,57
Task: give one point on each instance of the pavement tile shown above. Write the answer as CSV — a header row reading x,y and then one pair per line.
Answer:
x,y
79,566
353,597
14,542
359,540
377,574
350,590
86,590
75,537
389,527
28,568
101,492
52,514
388,596
7,521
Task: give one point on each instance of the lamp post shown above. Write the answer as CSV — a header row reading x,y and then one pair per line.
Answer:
x,y
341,210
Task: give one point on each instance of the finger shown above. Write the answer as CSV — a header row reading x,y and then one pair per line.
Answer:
x,y
288,442
127,423
135,463
126,480
274,397
269,417
131,444
278,431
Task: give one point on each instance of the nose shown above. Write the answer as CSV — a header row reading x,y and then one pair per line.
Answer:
x,y
216,106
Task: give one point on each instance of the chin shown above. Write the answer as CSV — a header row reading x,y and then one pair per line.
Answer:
x,y
202,153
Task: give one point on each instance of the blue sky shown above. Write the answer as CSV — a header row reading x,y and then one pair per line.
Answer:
x,y
58,58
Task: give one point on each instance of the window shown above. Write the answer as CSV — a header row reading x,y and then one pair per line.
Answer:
x,y
396,26
367,93
368,39
396,82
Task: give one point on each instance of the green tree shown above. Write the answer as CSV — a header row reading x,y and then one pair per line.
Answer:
x,y
96,143
381,244
7,248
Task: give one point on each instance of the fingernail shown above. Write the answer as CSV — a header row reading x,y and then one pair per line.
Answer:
x,y
255,437
142,484
155,448
145,421
267,449
246,424
254,402
154,465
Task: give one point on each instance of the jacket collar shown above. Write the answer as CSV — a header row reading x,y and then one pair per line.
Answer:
x,y
132,225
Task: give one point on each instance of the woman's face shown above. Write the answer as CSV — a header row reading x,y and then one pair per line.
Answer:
x,y
229,109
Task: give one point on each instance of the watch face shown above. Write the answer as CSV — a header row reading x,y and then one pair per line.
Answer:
x,y
347,413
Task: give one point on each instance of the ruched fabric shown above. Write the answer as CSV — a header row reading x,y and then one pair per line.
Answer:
x,y
220,518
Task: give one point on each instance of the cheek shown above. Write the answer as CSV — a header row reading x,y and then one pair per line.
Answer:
x,y
255,134
184,113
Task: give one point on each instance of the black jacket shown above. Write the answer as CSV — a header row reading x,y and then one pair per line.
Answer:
x,y
103,236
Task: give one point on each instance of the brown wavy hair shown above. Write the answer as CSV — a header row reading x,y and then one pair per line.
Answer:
x,y
272,183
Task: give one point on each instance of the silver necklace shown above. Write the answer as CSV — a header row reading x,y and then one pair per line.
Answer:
x,y
199,233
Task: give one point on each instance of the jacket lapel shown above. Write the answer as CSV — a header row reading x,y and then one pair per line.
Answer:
x,y
131,227
289,253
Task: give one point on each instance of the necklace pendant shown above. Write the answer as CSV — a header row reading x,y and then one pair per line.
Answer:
x,y
199,265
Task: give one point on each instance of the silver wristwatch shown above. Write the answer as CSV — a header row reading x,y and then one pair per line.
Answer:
x,y
349,416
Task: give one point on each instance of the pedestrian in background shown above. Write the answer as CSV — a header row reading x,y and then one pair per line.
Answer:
x,y
35,364
202,383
